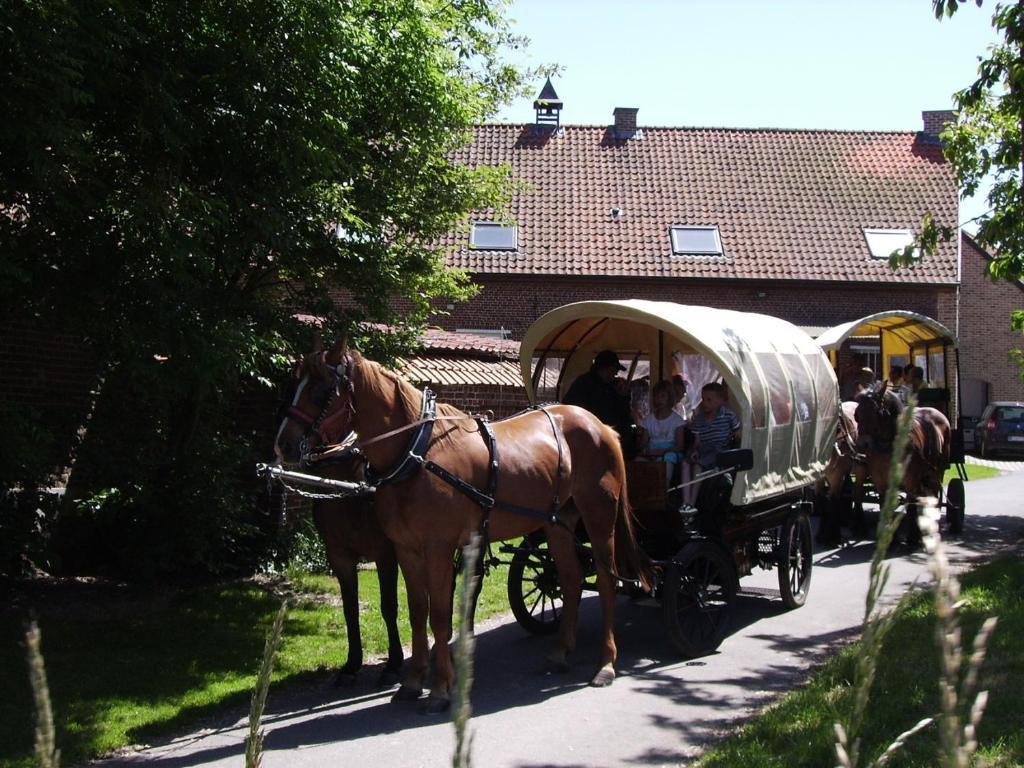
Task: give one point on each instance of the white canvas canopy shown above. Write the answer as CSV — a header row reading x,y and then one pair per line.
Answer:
x,y
780,383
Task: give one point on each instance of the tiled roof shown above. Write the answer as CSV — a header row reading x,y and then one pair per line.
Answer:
x,y
448,371
789,204
435,340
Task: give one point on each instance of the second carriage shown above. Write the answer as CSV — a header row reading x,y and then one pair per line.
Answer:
x,y
753,510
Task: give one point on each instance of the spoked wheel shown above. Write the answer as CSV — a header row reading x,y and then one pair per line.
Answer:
x,y
696,599
795,560
534,592
956,505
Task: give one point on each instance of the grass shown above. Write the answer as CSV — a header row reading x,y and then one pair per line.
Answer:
x,y
797,730
125,667
974,472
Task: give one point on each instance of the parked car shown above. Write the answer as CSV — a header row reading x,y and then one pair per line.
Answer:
x,y
1000,430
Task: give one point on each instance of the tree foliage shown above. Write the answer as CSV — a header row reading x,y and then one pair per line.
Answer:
x,y
987,143
177,178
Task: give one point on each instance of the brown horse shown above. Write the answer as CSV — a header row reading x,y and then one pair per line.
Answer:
x,y
927,455
553,467
845,461
351,533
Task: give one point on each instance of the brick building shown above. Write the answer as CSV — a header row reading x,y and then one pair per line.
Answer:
x,y
793,223
987,371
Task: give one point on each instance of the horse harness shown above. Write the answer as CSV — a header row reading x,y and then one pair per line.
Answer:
x,y
415,458
415,455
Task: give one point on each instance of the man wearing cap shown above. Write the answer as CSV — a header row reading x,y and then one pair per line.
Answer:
x,y
597,391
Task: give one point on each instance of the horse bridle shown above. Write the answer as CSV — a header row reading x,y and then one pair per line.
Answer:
x,y
320,425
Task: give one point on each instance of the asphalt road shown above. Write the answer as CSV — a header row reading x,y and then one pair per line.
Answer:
x,y
661,711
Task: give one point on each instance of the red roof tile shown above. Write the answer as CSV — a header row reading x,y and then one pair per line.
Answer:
x,y
454,371
788,204
436,340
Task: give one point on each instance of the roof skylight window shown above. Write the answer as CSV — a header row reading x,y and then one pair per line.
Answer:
x,y
492,236
882,242
696,241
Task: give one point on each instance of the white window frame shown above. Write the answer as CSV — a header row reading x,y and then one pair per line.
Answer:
x,y
492,333
695,251
874,248
493,225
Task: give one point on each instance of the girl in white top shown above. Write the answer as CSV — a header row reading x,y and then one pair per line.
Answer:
x,y
662,433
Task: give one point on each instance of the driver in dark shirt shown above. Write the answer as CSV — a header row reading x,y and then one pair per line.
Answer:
x,y
602,393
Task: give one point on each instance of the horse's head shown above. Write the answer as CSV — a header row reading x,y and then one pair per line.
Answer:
x,y
320,403
876,416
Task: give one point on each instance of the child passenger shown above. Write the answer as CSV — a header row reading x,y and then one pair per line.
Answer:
x,y
714,425
662,431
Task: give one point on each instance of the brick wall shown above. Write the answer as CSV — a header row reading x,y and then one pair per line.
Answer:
x,y
502,401
43,368
515,302
46,378
984,333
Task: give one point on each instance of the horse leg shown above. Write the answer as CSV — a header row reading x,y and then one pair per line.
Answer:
x,y
387,576
348,580
440,571
601,529
570,577
860,524
414,572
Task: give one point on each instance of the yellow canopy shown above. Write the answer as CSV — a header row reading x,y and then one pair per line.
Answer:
x,y
899,332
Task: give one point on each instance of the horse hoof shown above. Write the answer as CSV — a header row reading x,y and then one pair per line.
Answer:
x,y
407,693
388,678
344,679
604,677
435,705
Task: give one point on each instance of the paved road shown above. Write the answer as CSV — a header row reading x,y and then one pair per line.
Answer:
x,y
660,712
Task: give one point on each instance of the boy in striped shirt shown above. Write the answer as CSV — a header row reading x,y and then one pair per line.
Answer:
x,y
714,425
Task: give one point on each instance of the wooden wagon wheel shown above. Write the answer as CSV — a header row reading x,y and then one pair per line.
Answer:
x,y
956,505
534,592
795,560
696,598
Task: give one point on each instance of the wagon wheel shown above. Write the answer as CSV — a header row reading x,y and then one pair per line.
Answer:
x,y
795,560
696,599
956,505
534,592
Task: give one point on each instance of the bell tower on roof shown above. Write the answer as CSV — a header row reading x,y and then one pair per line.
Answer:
x,y
547,106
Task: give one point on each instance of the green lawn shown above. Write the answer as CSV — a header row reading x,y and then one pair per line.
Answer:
x,y
125,667
974,472
797,730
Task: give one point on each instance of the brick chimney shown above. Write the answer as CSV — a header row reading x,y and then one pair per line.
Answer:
x,y
935,121
625,122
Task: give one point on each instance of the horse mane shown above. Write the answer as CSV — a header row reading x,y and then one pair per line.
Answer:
x,y
383,380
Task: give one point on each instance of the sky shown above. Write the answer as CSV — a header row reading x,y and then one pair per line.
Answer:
x,y
822,64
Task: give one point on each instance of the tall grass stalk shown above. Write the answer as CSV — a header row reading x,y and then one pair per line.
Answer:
x,y
877,620
47,754
254,741
462,710
958,743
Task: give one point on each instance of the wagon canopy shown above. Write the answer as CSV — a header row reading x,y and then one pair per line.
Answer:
x,y
906,337
780,382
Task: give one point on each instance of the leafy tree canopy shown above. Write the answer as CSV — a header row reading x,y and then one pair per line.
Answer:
x,y
172,171
985,142
178,178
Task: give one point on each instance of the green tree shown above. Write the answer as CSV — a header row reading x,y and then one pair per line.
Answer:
x,y
986,140
178,177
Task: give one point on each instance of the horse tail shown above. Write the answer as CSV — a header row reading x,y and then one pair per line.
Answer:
x,y
629,558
